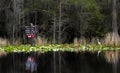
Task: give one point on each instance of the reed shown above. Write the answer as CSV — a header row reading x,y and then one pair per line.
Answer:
x,y
40,41
112,39
3,42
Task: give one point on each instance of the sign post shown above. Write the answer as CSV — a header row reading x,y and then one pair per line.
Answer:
x,y
30,34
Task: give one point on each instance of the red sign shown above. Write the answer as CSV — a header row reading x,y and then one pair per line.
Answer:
x,y
30,35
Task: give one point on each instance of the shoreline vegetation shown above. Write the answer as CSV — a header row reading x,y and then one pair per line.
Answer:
x,y
107,43
108,47
58,47
111,54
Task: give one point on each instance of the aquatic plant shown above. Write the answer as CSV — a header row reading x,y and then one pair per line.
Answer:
x,y
57,47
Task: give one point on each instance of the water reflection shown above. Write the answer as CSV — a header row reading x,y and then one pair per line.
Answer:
x,y
58,62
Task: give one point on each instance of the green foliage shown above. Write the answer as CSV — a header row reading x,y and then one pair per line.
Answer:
x,y
87,4
93,26
57,47
45,6
89,18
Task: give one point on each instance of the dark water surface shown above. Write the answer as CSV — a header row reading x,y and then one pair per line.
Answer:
x,y
58,62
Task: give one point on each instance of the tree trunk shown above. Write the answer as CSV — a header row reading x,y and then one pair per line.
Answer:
x,y
114,17
54,29
115,39
14,21
60,22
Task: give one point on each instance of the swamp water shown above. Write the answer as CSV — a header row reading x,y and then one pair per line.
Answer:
x,y
59,62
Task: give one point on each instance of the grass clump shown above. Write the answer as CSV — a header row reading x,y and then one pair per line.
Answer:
x,y
112,39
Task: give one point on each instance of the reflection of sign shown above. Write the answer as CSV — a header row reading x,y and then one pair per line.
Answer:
x,y
30,31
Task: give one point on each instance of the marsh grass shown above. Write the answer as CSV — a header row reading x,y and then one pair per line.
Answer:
x,y
17,41
3,42
112,39
85,41
40,41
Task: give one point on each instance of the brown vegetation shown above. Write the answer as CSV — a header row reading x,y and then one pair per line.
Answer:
x,y
3,42
112,39
40,41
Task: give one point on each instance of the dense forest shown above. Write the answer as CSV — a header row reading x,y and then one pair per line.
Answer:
x,y
61,21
